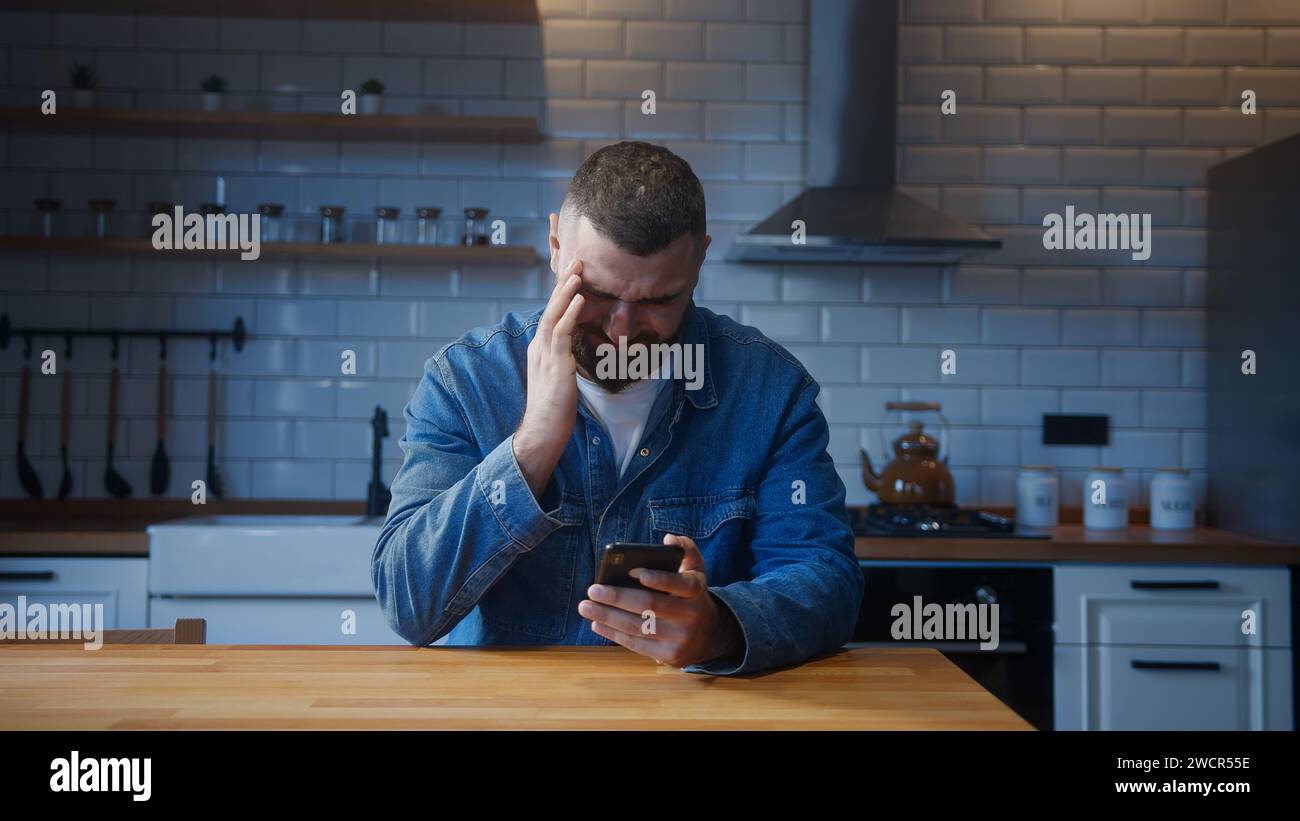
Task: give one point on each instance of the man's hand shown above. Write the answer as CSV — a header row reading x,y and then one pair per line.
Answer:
x,y
552,405
690,627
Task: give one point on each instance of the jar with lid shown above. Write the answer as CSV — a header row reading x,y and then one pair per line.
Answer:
x,y
1037,496
331,224
426,225
1105,499
475,226
386,225
270,214
100,210
47,208
1173,500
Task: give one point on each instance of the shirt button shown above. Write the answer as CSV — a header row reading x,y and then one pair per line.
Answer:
x,y
645,451
595,440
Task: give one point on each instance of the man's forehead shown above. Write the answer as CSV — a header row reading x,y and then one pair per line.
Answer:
x,y
607,266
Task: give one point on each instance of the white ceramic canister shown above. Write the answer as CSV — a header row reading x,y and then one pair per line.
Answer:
x,y
1038,500
1173,500
1105,499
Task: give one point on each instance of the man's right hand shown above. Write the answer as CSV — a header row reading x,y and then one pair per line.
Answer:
x,y
552,406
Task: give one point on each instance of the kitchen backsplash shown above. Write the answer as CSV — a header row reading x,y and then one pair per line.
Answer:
x,y
1105,105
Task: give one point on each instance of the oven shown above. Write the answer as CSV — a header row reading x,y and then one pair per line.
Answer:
x,y
1020,670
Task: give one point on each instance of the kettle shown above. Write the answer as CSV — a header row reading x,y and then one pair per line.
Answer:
x,y
916,476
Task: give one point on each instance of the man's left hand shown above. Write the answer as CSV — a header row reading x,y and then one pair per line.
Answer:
x,y
689,625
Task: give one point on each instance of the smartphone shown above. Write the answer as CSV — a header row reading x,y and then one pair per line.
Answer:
x,y
620,557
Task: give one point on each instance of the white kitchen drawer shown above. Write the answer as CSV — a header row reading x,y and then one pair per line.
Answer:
x,y
1171,604
1124,688
121,585
279,621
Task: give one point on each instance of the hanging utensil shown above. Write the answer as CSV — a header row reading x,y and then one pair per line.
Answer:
x,y
26,473
65,417
114,482
214,478
160,472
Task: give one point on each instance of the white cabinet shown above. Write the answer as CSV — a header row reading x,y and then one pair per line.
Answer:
x,y
281,620
1146,647
269,579
121,585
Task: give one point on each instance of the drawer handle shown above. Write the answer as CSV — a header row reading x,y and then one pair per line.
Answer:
x,y
1148,585
1141,664
27,576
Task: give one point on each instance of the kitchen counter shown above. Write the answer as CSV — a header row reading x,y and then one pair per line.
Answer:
x,y
1075,543
56,686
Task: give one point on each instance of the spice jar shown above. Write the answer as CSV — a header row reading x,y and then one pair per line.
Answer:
x,y
475,227
331,224
47,208
270,217
1173,500
1037,490
426,225
386,227
101,208
1105,499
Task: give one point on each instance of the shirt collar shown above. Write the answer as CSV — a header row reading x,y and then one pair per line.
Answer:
x,y
695,331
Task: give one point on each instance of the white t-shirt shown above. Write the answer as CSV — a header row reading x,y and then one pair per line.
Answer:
x,y
623,414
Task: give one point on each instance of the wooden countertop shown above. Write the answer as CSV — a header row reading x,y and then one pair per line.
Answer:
x,y
1075,543
56,686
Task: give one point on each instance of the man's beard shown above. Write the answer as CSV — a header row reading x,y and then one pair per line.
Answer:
x,y
587,340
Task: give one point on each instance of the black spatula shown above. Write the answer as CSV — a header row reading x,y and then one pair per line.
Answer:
x,y
114,482
65,414
160,472
214,478
26,473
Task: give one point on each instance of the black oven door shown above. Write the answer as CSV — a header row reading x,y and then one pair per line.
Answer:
x,y
1019,670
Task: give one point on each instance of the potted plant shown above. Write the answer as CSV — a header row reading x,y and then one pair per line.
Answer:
x,y
83,85
214,92
372,99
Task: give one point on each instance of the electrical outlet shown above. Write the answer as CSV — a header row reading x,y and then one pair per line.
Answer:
x,y
1076,429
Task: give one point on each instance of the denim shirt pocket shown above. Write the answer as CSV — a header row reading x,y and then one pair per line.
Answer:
x,y
534,594
720,519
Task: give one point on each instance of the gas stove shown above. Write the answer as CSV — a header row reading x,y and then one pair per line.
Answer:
x,y
944,522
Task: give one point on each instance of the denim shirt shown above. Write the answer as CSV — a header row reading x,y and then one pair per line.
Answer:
x,y
469,556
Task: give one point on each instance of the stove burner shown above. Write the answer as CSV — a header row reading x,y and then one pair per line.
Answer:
x,y
922,521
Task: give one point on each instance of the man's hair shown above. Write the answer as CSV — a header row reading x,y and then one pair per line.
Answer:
x,y
639,196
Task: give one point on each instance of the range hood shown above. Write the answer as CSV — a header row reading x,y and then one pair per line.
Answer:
x,y
851,211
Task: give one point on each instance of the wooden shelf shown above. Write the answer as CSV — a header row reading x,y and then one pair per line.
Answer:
x,y
469,11
271,125
521,255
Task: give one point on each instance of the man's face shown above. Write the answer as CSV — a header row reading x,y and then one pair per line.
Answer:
x,y
643,299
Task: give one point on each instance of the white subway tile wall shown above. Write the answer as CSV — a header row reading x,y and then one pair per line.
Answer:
x,y
1105,105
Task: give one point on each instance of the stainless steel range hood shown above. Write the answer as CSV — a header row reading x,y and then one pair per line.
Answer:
x,y
851,210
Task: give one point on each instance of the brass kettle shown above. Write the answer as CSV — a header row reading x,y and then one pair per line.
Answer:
x,y
916,476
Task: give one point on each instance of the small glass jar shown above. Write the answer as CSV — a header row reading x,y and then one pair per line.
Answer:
x,y
270,215
213,230
386,225
475,227
1173,500
1037,496
47,208
101,209
1105,499
331,224
426,225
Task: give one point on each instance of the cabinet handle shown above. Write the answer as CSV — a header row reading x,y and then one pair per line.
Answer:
x,y
1141,664
27,576
1191,585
